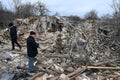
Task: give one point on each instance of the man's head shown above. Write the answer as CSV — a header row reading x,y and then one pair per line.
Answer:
x,y
10,24
32,33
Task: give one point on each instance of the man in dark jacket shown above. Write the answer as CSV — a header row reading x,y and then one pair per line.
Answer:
x,y
32,50
13,35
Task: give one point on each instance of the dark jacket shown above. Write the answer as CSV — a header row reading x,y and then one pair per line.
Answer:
x,y
32,47
13,32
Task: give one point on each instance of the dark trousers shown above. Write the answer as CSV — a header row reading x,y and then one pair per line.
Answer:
x,y
13,41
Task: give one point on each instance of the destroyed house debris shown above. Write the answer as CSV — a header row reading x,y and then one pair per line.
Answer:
x,y
83,52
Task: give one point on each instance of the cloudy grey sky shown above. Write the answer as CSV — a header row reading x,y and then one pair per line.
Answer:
x,y
72,7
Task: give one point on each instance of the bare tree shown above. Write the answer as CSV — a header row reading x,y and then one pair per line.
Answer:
x,y
26,10
116,15
5,16
23,10
91,15
106,19
106,16
17,4
116,5
41,9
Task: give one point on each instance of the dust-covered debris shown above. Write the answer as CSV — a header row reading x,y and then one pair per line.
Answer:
x,y
83,52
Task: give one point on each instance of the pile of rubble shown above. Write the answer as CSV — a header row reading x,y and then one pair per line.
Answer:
x,y
75,53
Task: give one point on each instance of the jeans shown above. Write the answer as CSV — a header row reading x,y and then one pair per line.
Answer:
x,y
31,64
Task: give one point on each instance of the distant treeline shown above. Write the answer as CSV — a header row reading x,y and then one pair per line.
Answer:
x,y
28,9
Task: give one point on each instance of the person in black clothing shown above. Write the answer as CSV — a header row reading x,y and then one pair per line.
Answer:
x,y
13,35
32,51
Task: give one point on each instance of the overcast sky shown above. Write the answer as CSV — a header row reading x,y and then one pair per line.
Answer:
x,y
72,7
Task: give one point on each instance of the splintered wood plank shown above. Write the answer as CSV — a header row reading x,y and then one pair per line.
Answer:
x,y
100,67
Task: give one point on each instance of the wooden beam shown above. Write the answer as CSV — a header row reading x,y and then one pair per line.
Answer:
x,y
100,67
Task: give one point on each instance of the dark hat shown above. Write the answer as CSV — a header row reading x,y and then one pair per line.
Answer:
x,y
32,33
10,24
